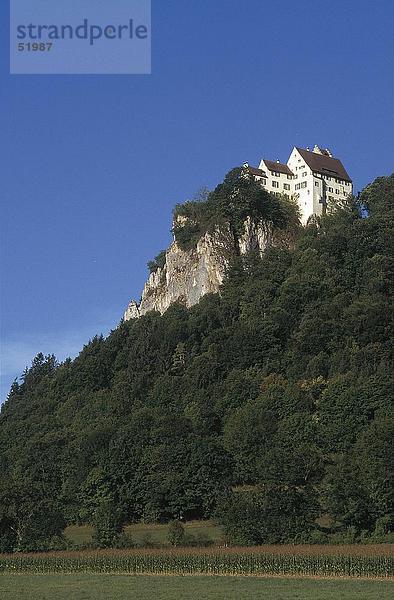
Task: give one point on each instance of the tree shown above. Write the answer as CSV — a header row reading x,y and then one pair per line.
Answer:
x,y
267,514
107,521
29,521
176,533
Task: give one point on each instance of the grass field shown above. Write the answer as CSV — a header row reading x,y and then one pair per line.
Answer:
x,y
139,532
122,587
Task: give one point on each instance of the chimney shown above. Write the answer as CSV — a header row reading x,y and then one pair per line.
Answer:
x,y
308,149
277,160
329,153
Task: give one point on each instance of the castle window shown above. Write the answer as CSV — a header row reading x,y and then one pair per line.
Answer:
x,y
275,184
303,184
316,183
337,191
304,174
330,189
289,177
286,186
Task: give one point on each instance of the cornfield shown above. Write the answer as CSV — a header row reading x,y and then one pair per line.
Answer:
x,y
203,563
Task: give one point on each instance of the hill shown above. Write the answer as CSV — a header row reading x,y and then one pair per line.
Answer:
x,y
267,405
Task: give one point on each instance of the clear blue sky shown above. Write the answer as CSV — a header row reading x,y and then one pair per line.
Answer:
x,y
91,166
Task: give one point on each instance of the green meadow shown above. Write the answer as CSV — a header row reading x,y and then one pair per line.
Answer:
x,y
154,533
122,587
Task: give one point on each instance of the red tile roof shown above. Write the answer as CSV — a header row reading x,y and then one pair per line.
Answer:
x,y
325,165
277,166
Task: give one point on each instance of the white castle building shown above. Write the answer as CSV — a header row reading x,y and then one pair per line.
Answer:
x,y
314,178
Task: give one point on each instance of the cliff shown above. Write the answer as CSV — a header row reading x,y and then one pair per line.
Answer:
x,y
187,275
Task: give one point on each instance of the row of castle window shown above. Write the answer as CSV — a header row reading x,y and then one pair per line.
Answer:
x,y
304,174
277,174
298,186
275,184
328,178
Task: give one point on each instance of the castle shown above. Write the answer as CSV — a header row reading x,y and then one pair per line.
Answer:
x,y
314,178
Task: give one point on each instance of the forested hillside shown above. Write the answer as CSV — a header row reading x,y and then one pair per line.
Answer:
x,y
267,405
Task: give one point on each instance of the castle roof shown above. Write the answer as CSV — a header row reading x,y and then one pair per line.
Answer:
x,y
256,172
324,164
273,165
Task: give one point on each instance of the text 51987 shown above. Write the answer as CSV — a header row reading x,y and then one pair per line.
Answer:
x,y
35,47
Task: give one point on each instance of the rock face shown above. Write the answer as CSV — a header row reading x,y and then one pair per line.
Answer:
x,y
190,274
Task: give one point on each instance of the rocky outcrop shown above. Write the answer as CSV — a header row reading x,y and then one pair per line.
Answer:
x,y
190,274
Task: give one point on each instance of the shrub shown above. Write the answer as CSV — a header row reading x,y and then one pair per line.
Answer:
x,y
317,536
200,540
158,262
147,541
125,541
176,533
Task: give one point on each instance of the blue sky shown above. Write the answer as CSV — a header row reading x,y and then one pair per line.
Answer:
x,y
91,166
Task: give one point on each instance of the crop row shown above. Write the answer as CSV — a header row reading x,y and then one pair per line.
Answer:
x,y
207,563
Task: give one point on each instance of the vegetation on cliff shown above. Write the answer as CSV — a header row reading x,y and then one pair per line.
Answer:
x,y
267,405
231,202
158,262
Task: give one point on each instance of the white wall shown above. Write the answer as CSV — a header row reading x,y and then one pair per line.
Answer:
x,y
302,175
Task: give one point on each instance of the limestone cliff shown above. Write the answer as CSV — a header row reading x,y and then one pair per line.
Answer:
x,y
188,275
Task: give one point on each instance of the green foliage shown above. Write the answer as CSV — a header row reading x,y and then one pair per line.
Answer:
x,y
237,198
282,383
176,533
158,262
107,521
30,517
378,197
269,514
